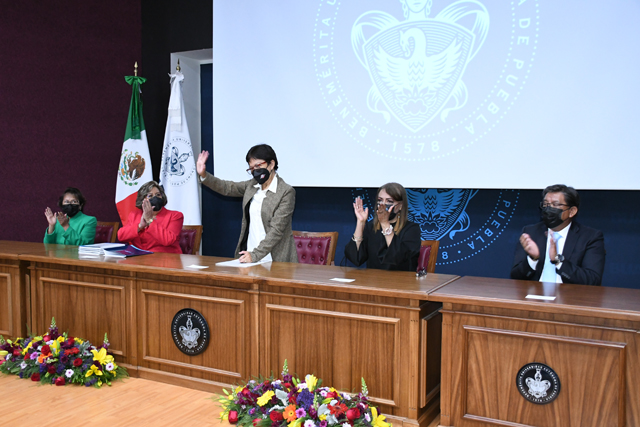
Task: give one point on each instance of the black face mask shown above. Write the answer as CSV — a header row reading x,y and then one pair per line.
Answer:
x,y
552,217
261,175
71,210
393,213
156,202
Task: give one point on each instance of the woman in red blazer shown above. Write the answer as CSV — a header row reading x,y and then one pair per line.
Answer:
x,y
152,227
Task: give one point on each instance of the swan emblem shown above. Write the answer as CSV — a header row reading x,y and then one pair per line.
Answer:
x,y
189,334
538,387
416,79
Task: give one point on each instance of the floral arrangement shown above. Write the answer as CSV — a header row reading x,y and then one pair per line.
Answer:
x,y
59,359
291,402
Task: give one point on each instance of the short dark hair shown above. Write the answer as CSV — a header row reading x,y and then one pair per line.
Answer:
x,y
571,196
146,189
263,152
75,193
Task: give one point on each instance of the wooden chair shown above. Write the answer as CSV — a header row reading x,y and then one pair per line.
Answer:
x,y
428,255
316,248
190,238
106,232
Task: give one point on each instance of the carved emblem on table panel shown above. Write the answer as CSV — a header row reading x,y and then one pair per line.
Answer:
x,y
190,331
538,383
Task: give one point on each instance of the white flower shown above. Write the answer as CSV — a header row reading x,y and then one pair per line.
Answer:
x,y
323,409
346,396
367,417
49,342
109,366
333,402
8,357
23,365
331,419
302,386
346,425
283,396
323,393
310,423
278,382
69,373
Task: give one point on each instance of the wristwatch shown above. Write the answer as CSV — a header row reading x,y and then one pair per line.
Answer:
x,y
558,259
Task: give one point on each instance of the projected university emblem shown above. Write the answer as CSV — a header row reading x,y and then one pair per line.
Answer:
x,y
435,76
442,215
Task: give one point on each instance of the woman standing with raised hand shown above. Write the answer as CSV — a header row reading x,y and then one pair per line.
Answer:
x,y
267,205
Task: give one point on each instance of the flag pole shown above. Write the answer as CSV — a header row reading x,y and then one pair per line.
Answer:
x,y
135,69
178,66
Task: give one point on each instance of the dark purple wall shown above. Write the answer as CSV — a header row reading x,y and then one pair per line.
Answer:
x,y
63,106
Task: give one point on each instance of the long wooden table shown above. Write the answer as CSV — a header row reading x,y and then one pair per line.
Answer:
x,y
381,326
588,335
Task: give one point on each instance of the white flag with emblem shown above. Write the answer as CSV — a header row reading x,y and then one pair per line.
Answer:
x,y
178,171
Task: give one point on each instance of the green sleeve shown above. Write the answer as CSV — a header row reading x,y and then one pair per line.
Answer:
x,y
50,238
85,233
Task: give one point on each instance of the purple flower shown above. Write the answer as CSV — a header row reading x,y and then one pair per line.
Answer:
x,y
252,411
287,378
323,423
33,356
301,413
313,413
305,399
43,368
64,359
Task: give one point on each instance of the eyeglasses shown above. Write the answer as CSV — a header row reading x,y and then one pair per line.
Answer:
x,y
544,205
257,166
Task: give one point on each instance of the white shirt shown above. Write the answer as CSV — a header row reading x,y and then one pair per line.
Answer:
x,y
560,246
256,227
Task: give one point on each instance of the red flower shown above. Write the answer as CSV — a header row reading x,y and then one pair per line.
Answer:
x,y
233,417
256,421
338,409
287,385
27,356
16,352
331,394
46,338
276,416
51,369
292,399
35,377
77,362
353,414
46,350
59,381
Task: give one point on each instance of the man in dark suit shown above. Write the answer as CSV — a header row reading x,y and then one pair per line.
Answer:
x,y
559,249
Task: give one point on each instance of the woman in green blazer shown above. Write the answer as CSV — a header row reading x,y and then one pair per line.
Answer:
x,y
71,226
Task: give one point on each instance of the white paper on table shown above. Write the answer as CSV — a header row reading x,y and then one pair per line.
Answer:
x,y
197,266
237,263
542,297
338,279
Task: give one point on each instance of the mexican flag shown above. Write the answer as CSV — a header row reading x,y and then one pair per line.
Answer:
x,y
135,163
178,174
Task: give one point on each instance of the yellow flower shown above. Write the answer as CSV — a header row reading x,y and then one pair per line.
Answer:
x,y
378,420
224,416
78,340
238,389
3,353
265,398
93,370
311,382
60,339
296,423
99,383
102,356
322,417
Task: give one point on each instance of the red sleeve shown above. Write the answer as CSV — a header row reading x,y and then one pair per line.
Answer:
x,y
129,231
166,232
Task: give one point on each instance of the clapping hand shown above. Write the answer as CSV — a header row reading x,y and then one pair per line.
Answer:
x,y
362,214
147,211
383,214
63,219
201,165
51,217
530,247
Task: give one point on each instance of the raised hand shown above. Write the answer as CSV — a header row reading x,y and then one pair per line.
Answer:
x,y
51,217
147,210
362,214
530,246
201,165
63,219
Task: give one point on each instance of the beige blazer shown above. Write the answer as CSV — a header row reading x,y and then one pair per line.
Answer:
x,y
277,211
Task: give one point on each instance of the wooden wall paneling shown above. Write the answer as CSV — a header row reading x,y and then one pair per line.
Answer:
x,y
342,341
430,360
86,303
6,303
13,298
447,372
597,386
227,358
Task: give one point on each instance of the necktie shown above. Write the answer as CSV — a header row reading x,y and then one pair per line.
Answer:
x,y
549,270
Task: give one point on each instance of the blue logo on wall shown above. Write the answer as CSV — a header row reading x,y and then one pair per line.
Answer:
x,y
442,215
